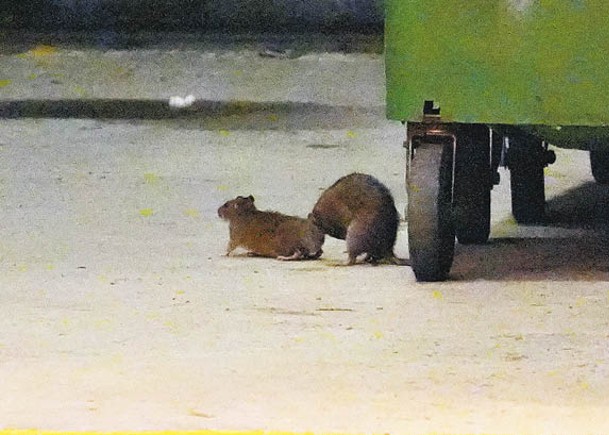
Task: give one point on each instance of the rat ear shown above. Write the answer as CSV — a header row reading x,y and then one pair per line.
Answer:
x,y
251,198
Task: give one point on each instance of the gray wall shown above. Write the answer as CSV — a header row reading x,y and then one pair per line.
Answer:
x,y
189,15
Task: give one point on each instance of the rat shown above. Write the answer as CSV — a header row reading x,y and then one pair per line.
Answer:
x,y
360,209
269,233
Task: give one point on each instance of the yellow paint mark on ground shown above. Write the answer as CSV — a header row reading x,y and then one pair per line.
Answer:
x,y
548,172
222,188
151,178
5,82
192,212
437,294
32,76
82,92
351,134
22,268
171,326
505,227
378,335
273,117
42,50
191,411
511,221
146,212
224,133
50,266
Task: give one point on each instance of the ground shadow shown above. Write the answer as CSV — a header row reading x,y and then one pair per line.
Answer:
x,y
283,44
202,114
572,245
583,207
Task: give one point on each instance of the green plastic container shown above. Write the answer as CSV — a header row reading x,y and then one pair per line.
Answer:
x,y
540,65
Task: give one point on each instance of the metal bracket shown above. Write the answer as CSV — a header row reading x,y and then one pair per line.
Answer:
x,y
429,109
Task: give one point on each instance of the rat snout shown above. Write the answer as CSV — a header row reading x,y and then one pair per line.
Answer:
x,y
221,211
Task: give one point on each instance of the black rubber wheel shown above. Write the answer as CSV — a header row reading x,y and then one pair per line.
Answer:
x,y
525,160
472,198
599,163
431,235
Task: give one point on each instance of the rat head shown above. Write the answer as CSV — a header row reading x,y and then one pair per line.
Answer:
x,y
236,207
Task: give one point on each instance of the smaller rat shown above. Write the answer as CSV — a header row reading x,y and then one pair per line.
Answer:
x,y
269,233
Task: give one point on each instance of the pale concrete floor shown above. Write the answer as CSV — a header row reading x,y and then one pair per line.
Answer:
x,y
120,312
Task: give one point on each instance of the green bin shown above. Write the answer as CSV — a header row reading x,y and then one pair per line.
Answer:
x,y
479,82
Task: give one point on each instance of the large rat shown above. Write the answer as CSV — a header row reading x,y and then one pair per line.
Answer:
x,y
269,233
360,209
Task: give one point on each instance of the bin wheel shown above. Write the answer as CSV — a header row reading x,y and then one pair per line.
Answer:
x,y
526,164
599,163
431,235
472,199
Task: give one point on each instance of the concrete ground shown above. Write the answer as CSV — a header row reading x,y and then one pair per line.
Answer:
x,y
120,312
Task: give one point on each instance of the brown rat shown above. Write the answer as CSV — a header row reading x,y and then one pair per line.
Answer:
x,y
269,233
360,209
